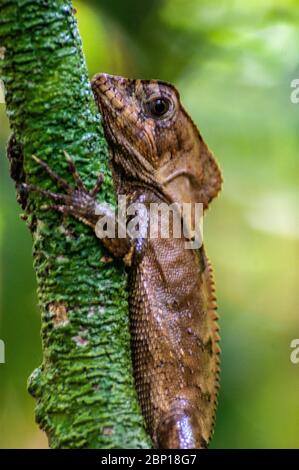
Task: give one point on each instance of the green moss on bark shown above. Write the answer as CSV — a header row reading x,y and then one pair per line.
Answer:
x,y
84,388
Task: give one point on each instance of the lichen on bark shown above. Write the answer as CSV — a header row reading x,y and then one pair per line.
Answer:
x,y
84,388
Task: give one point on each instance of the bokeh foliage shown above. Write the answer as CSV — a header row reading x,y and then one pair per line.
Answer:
x,y
233,62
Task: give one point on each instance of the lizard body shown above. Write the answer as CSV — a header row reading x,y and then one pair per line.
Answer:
x,y
158,155
174,341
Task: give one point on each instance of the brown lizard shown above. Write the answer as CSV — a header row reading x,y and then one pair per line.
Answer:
x,y
158,155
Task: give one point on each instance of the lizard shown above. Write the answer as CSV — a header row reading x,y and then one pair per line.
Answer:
x,y
158,155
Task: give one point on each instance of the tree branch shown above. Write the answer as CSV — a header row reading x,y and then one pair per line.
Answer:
x,y
84,387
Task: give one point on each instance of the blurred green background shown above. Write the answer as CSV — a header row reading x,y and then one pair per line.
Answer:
x,y
233,62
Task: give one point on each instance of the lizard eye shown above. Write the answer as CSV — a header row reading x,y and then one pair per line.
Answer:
x,y
158,107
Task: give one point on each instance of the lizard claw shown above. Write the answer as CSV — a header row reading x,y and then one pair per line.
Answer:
x,y
45,192
77,178
77,201
97,186
53,175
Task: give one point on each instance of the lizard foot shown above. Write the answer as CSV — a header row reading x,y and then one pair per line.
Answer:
x,y
76,201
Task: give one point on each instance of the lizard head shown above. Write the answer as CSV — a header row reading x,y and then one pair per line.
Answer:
x,y
154,141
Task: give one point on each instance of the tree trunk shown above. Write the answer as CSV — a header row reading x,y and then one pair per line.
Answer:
x,y
84,387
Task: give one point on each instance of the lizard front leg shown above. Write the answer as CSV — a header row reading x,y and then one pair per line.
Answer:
x,y
81,204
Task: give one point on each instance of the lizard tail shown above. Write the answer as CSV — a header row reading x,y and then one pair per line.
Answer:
x,y
179,429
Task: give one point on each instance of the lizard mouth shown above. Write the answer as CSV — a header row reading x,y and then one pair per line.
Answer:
x,y
123,124
100,86
107,124
109,91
